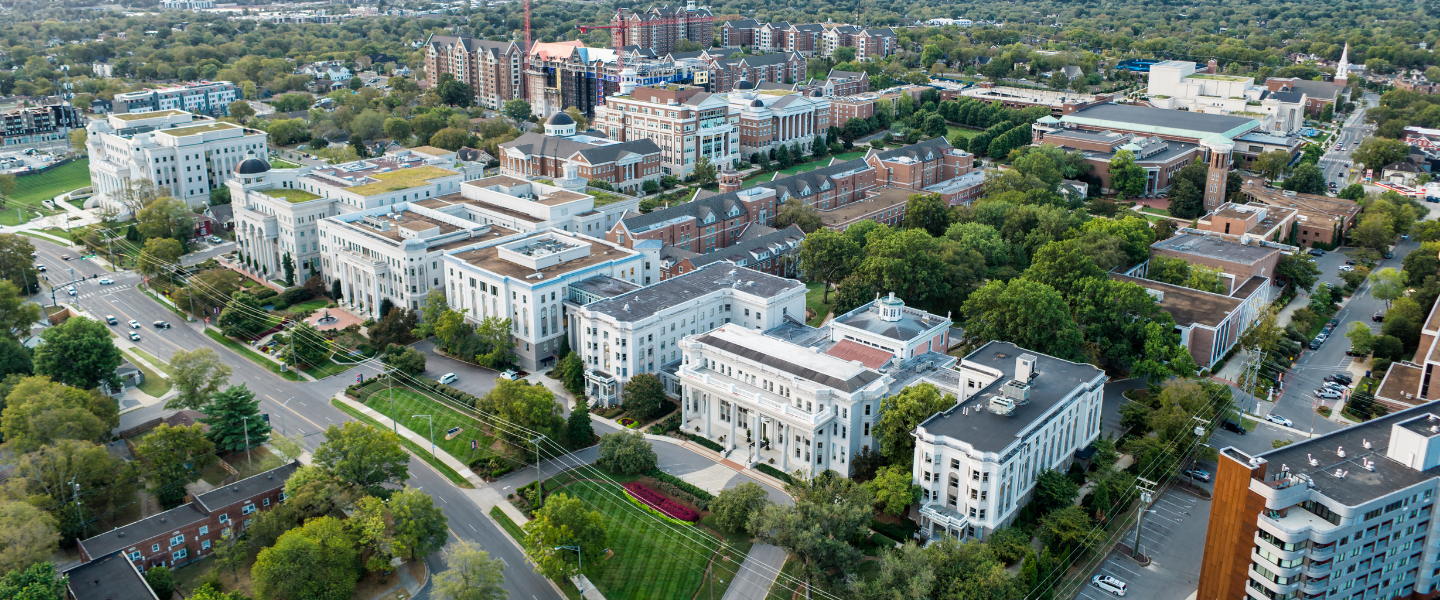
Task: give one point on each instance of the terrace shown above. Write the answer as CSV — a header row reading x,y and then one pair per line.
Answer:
x,y
400,180
199,129
148,115
292,196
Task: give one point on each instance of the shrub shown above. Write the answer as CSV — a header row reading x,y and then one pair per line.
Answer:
x,y
706,442
626,452
776,473
264,293
281,305
702,497
659,503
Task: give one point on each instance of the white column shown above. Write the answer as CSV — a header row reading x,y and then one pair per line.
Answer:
x,y
734,416
709,413
784,435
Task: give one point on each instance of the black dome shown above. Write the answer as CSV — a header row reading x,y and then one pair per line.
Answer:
x,y
757,103
251,165
744,84
559,118
817,94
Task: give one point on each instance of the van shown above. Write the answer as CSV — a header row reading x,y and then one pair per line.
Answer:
x,y
111,319
448,378
1109,584
1232,425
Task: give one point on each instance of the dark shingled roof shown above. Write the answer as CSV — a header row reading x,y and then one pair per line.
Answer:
x,y
917,151
559,147
756,239
758,61
111,577
742,24
855,382
1290,97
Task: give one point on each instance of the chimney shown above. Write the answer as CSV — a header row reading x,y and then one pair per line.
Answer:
x,y
1024,367
1214,67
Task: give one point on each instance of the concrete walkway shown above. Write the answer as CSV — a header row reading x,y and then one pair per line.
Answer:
x,y
756,574
418,439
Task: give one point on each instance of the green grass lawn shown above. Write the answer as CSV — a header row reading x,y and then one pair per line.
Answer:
x,y
310,305
814,300
966,132
32,189
423,453
1155,211
408,403
154,384
803,167
723,571
252,355
280,163
651,561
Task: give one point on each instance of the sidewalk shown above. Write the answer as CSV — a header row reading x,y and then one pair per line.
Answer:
x,y
418,439
756,574
706,453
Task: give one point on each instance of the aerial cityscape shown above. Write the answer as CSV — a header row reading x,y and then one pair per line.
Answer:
x,y
497,299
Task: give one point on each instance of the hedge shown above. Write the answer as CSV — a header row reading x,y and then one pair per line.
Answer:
x,y
363,391
265,293
774,472
659,504
706,442
892,531
700,497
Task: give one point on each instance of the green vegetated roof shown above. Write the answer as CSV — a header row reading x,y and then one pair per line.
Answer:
x,y
403,179
170,112
292,195
198,129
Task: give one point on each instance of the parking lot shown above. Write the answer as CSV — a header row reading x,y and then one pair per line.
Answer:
x,y
22,159
1173,537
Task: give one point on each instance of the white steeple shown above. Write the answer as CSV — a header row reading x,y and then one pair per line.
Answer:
x,y
1342,70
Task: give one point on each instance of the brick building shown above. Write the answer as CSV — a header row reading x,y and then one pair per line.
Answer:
x,y
1209,324
844,108
624,165
1322,220
109,577
686,124
492,68
1236,222
1317,93
1240,264
739,33
805,40
835,37
919,166
769,119
780,67
765,249
184,534
876,44
661,27
841,83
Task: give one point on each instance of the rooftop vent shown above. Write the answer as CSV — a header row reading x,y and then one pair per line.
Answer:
x,y
1341,474
1369,465
1365,443
1340,450
1313,462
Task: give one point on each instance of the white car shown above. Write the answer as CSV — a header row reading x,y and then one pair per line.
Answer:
x,y
1278,420
447,378
1327,394
134,324
1109,584
135,336
1346,268
107,281
70,290
511,375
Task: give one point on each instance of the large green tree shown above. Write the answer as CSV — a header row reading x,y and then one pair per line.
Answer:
x,y
929,212
317,561
643,397
829,511
1126,177
16,313
242,316
733,507
79,352
27,537
901,413
1028,314
48,477
197,374
234,419
528,408
40,581
564,521
174,457
39,411
420,527
364,457
894,489
626,452
166,217
471,575
828,256
1376,152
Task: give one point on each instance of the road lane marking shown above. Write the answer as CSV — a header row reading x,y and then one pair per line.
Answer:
x,y
472,527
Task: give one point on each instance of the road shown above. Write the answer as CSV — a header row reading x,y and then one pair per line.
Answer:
x,y
1174,521
1336,162
1312,367
309,413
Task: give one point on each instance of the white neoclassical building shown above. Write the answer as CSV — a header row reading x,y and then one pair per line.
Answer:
x,y
1019,413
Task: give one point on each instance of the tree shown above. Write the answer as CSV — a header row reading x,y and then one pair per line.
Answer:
x,y
796,212
284,132
38,582
570,370
166,217
234,419
404,359
564,521
1417,266
49,474
16,266
197,375
355,83
906,574
395,328
173,458
929,212
17,314
901,413
1299,269
79,352
1067,528
704,172
828,256
517,109
161,581
1376,231
420,527
1126,177
626,452
894,490
1387,284
336,293
644,396
1376,152
242,316
494,334
734,507
397,129
578,430
1307,179
829,511
159,257
1028,314
240,110
364,457
303,345
78,139
1271,164
451,138
471,575
315,561
1053,491
27,537
287,263
430,311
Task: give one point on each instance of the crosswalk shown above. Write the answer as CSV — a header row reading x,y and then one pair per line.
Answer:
x,y
107,290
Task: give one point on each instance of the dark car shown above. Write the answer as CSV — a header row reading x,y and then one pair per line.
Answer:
x,y
1378,317
161,325
1317,252
1344,378
1389,254
1232,425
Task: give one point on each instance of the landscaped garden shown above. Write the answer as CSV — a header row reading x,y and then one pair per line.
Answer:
x,y
822,161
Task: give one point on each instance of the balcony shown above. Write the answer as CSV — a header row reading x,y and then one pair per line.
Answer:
x,y
755,397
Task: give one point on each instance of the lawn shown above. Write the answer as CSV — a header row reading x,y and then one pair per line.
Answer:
x,y
652,559
724,570
154,384
423,453
399,180
1155,211
965,132
154,361
824,161
311,305
280,163
32,189
254,357
814,300
508,524
408,403
291,195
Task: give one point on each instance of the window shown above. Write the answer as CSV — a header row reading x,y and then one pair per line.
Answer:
x,y
180,554
955,463
266,502
154,547
249,508
134,555
224,518
177,540
204,530
205,545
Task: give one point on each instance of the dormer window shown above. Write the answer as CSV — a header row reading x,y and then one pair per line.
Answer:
x,y
709,219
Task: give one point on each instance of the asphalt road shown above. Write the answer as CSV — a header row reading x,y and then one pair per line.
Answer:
x,y
1310,370
308,413
1174,522
1336,163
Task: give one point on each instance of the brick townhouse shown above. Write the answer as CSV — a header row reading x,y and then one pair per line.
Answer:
x,y
765,249
493,69
804,40
184,534
780,67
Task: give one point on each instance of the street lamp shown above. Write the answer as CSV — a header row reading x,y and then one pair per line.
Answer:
x,y
283,407
578,554
432,431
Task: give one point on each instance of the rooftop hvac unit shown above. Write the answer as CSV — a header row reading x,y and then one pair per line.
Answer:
x,y
1002,405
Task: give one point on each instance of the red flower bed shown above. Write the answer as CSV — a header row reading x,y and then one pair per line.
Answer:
x,y
666,506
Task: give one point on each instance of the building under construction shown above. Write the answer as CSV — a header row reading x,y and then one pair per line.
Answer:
x,y
560,75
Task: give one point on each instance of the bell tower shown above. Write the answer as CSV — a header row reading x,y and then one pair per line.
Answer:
x,y
1217,149
729,181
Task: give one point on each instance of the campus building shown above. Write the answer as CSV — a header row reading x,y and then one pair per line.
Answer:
x,y
184,156
1184,85
1241,265
492,68
768,120
1059,102
527,206
1209,324
39,124
529,278
660,28
686,124
626,166
764,249
211,98
1017,413
278,212
1349,514
638,330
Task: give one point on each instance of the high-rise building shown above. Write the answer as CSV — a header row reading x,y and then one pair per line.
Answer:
x,y
492,68
686,124
1347,515
660,28
39,124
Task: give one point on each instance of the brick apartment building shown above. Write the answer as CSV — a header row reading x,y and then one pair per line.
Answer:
x,y
846,83
492,68
739,33
686,124
835,37
780,67
184,534
876,44
765,249
661,27
805,40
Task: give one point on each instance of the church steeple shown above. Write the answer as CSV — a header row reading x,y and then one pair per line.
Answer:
x,y
1342,70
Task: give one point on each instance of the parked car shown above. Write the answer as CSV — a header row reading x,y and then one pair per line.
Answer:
x,y
1378,317
161,325
1346,268
110,319
216,240
40,268
1200,474
511,375
107,281
1326,394
1109,584
134,324
1278,420
135,336
448,378
1317,252
1344,378
1350,262
1233,426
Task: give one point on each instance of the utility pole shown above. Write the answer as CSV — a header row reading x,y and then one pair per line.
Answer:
x,y
539,475
1146,488
75,498
248,461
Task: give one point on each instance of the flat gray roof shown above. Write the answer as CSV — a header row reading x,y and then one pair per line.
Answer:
x,y
648,301
1359,485
818,367
1161,117
109,577
1214,247
910,325
1055,379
